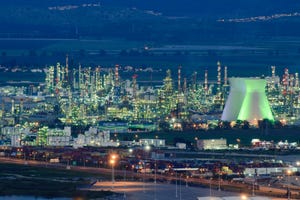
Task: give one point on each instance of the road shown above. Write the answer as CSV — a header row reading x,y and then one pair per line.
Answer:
x,y
136,191
224,185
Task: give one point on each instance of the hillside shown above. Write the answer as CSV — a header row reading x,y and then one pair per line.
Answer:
x,y
155,21
109,31
199,8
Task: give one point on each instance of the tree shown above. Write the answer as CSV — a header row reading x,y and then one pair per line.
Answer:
x,y
278,124
246,124
238,124
226,125
165,126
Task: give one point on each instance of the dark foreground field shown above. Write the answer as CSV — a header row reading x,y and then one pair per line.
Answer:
x,y
45,182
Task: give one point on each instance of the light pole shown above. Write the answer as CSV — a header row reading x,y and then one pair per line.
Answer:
x,y
34,154
112,161
46,158
210,192
131,167
176,194
186,181
125,181
219,188
146,149
155,178
289,172
253,186
180,187
155,170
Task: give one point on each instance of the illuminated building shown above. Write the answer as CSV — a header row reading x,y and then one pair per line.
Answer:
x,y
247,101
153,142
41,138
212,144
58,137
50,80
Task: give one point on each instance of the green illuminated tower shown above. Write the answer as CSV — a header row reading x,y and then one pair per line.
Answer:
x,y
247,101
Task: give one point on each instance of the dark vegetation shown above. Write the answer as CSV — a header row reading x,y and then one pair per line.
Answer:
x,y
45,182
233,136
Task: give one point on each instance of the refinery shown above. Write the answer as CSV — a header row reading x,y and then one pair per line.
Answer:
x,y
100,98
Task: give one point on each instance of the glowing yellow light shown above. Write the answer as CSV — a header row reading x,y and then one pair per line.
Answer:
x,y
112,162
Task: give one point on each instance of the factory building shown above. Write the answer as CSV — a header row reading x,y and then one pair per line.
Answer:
x,y
153,142
212,144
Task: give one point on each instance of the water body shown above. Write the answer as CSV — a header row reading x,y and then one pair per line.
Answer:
x,y
30,198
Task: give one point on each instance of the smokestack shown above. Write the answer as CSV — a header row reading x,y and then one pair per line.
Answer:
x,y
194,80
225,76
134,86
273,71
12,106
285,80
219,75
67,68
116,75
291,85
184,85
205,81
179,79
98,78
79,77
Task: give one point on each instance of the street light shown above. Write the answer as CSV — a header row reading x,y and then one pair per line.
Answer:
x,y
180,187
186,181
146,149
253,186
219,187
243,197
176,193
289,172
112,161
210,191
155,189
124,195
155,168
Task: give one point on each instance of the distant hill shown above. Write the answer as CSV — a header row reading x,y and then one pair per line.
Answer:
x,y
212,8
162,21
199,8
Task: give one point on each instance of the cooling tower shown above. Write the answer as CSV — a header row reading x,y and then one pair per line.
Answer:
x,y
247,100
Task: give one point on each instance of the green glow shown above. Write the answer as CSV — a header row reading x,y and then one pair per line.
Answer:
x,y
255,105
